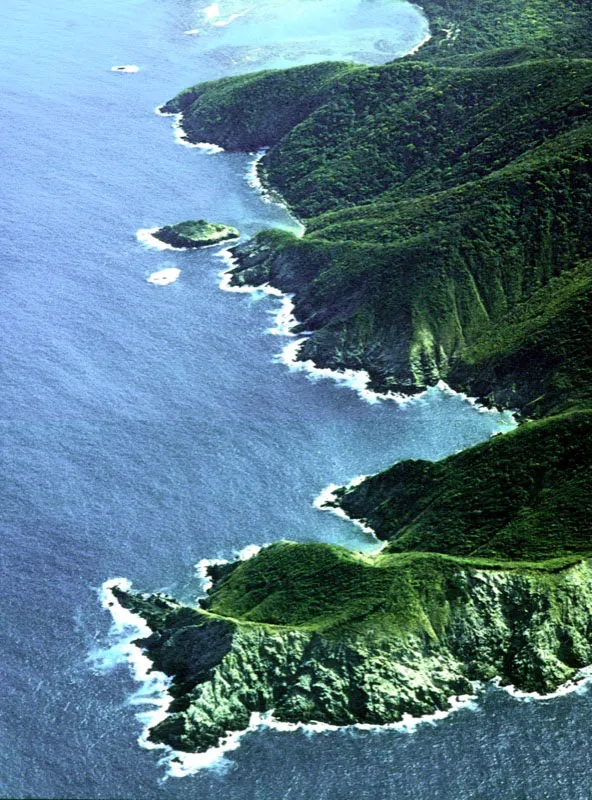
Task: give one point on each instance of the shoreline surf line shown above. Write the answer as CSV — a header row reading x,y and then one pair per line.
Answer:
x,y
154,691
201,568
428,35
128,629
326,501
208,148
579,684
357,380
266,192
142,668
146,237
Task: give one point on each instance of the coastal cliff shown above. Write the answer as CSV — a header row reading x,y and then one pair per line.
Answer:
x,y
351,639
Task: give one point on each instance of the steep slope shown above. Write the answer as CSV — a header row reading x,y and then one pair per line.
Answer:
x,y
539,356
436,199
346,639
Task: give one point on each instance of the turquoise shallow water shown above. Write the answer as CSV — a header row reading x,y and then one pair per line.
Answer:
x,y
145,427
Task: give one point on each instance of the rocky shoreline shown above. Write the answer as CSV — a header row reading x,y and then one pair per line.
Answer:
x,y
527,628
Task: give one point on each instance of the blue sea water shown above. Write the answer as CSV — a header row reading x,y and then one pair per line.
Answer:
x,y
147,427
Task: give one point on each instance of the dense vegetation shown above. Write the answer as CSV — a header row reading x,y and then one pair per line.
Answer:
x,y
351,640
195,233
447,199
524,495
472,26
539,357
437,196
330,590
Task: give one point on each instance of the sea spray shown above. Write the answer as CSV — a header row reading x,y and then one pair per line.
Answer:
x,y
285,322
184,764
356,379
126,629
507,416
164,276
580,684
203,566
266,193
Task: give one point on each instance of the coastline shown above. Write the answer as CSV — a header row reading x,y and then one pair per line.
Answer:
x,y
207,148
357,380
428,36
180,764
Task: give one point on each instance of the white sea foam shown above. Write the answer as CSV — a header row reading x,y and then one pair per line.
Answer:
x,y
146,237
181,137
253,179
508,417
358,380
201,570
284,319
154,692
126,627
226,276
579,685
326,502
248,552
202,566
164,276
192,32
267,195
126,68
211,12
222,23
184,764
160,113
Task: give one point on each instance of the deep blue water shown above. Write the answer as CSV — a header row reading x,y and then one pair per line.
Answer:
x,y
145,427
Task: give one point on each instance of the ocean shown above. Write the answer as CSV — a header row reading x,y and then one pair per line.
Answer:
x,y
147,427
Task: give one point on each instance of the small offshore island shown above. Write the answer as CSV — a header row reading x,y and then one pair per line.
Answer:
x,y
447,199
195,233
